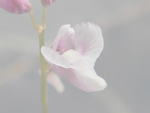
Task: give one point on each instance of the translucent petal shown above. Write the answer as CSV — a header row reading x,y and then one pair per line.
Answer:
x,y
70,59
89,39
55,81
78,61
86,80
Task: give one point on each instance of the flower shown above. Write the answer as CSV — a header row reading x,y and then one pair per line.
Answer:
x,y
74,53
47,2
16,6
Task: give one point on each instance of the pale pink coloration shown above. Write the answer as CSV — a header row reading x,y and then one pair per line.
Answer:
x,y
55,81
47,2
16,6
74,53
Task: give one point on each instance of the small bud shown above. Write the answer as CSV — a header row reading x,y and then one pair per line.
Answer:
x,y
16,6
47,2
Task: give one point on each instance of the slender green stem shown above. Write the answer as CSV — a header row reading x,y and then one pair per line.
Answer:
x,y
44,17
44,83
41,30
43,65
33,20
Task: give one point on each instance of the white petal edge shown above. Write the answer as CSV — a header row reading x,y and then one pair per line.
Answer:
x,y
86,80
53,57
90,81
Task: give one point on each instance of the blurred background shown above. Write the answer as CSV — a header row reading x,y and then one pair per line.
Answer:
x,y
124,62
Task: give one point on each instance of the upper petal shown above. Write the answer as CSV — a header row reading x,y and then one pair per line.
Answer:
x,y
64,39
16,6
89,39
86,80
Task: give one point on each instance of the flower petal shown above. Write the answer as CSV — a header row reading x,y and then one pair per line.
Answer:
x,y
16,6
89,39
86,80
47,2
70,59
64,39
53,57
55,81
78,61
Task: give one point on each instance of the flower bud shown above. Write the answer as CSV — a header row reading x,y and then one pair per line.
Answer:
x,y
47,2
16,6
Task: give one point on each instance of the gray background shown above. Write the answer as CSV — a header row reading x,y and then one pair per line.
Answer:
x,y
124,62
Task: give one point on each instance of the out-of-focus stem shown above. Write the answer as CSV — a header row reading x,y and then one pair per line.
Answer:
x,y
44,17
33,20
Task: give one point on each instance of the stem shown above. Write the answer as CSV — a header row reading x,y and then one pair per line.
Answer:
x,y
33,20
44,83
43,65
41,30
44,17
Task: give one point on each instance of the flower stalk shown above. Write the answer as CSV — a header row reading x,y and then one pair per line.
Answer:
x,y
41,31
43,73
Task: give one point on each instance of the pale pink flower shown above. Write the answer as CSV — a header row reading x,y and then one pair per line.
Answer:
x,y
47,2
16,6
73,55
